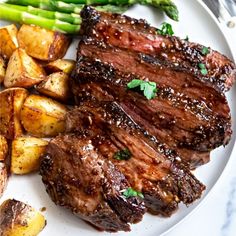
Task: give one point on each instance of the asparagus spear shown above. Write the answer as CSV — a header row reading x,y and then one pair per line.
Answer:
x,y
16,15
61,6
70,18
75,5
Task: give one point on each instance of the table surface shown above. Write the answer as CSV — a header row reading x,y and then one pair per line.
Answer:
x,y
216,216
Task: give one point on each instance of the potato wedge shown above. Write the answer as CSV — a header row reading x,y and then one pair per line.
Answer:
x,y
3,66
26,153
8,40
42,116
18,218
3,168
11,102
43,44
64,65
23,71
56,86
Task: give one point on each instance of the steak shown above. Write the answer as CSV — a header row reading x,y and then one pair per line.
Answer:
x,y
151,168
187,124
137,35
78,177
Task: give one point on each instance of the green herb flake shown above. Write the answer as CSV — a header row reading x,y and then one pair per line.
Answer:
x,y
203,68
186,38
166,29
129,192
149,88
123,154
205,51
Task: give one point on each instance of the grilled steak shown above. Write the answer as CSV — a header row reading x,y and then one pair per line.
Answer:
x,y
125,32
78,177
184,122
151,168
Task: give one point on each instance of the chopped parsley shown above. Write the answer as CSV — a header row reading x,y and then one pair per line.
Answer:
x,y
166,29
149,88
205,51
203,68
186,38
129,192
123,154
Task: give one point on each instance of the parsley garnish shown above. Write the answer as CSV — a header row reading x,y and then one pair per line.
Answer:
x,y
203,68
149,88
186,38
123,154
205,51
166,29
129,192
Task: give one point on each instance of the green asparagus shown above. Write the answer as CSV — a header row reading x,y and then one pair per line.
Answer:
x,y
70,18
70,6
16,15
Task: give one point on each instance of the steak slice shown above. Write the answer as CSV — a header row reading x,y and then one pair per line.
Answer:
x,y
78,177
179,120
151,168
137,35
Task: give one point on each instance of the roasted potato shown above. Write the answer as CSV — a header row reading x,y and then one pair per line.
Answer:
x,y
43,44
56,86
26,153
42,116
23,71
19,219
3,66
3,168
11,101
8,40
64,65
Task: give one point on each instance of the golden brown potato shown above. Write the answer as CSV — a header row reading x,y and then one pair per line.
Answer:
x,y
3,169
8,40
19,219
11,103
3,66
3,148
56,86
41,43
23,71
42,116
64,65
26,153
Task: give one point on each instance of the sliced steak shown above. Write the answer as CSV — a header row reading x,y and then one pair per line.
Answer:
x,y
137,35
151,168
78,177
180,121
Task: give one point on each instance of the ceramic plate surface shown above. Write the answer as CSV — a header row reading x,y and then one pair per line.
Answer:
x,y
198,23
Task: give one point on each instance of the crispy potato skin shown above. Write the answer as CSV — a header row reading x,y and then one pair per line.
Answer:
x,y
8,40
60,65
42,116
56,86
3,66
3,168
23,71
18,218
11,102
47,45
26,153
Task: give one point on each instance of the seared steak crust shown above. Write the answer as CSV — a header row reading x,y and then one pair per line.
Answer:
x,y
153,169
184,123
78,177
137,35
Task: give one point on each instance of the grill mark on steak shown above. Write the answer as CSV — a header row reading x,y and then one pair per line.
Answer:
x,y
78,177
174,124
153,169
125,32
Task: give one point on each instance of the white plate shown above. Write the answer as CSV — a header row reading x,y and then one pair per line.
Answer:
x,y
196,22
